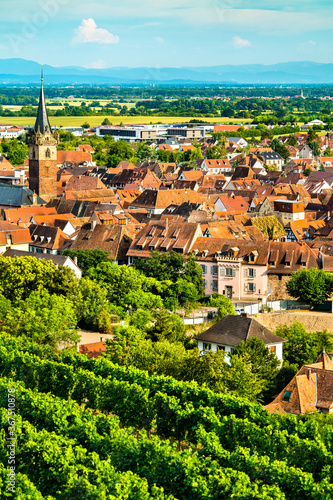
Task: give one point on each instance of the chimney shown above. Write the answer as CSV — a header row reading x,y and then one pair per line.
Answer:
x,y
75,260
309,375
166,223
93,224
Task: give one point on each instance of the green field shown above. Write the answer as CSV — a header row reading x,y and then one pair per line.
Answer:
x,y
76,121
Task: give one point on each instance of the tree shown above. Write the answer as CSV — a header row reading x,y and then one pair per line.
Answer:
x,y
307,172
23,275
91,303
241,380
171,266
292,140
303,347
106,121
15,151
280,148
223,304
43,318
145,153
214,153
119,151
315,148
264,362
128,348
208,369
85,125
312,135
167,327
311,286
88,258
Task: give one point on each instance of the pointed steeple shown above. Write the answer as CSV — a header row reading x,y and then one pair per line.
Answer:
x,y
42,124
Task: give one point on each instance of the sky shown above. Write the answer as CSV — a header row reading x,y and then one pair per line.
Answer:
x,y
172,33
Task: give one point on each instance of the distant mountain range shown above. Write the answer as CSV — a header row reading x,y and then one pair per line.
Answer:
x,y
21,71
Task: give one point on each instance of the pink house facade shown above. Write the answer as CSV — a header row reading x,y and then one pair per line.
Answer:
x,y
236,269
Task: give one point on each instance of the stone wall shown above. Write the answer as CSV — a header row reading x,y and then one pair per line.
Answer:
x,y
279,286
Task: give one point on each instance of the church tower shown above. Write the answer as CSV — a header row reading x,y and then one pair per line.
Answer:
x,y
42,144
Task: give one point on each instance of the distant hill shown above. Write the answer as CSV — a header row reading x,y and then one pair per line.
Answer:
x,y
21,71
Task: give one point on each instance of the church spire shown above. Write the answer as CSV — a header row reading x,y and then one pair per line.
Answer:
x,y
42,124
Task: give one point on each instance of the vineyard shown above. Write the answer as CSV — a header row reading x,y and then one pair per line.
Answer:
x,y
95,430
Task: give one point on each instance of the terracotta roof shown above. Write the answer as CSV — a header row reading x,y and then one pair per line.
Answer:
x,y
310,390
80,183
48,238
164,235
18,234
226,128
162,199
114,239
76,157
232,330
192,175
87,148
93,350
23,215
221,163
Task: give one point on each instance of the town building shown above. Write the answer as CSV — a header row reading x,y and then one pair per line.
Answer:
x,y
230,331
42,144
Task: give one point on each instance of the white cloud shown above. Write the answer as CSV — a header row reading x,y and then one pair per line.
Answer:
x,y
100,64
240,43
88,32
159,40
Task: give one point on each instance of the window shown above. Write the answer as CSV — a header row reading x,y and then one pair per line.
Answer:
x,y
207,347
230,253
220,348
204,268
287,264
230,273
286,396
251,258
251,287
251,273
215,285
214,270
205,283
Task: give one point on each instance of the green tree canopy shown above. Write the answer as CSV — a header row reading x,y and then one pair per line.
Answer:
x,y
303,347
43,318
88,258
223,304
312,286
264,362
23,275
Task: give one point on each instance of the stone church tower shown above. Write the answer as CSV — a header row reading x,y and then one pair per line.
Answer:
x,y
42,144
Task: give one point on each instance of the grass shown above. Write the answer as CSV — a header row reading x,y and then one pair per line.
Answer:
x,y
76,121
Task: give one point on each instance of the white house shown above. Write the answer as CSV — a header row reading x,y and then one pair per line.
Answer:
x,y
230,331
239,141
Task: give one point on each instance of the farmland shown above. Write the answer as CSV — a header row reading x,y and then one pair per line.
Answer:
x,y
76,121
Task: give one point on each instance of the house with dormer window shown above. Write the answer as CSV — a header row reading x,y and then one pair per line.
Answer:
x,y
234,268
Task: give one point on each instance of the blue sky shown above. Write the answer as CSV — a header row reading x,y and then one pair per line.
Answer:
x,y
170,33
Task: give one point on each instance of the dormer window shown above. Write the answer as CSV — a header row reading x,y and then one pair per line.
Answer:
x,y
287,264
230,253
251,257
286,396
